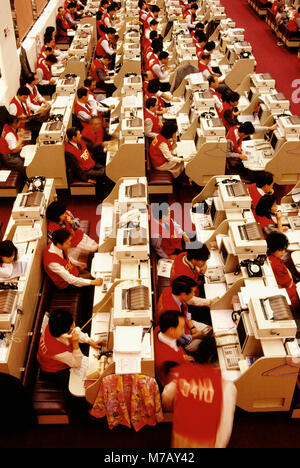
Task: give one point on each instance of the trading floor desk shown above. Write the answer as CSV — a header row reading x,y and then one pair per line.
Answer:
x,y
123,270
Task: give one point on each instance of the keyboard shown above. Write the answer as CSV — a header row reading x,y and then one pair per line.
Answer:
x,y
232,356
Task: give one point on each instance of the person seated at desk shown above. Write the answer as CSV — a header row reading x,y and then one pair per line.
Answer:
x,y
46,83
228,112
154,89
166,351
268,215
167,238
62,26
99,71
58,217
281,18
203,66
151,55
72,16
161,151
213,82
109,18
105,45
152,123
190,15
36,102
199,40
11,144
80,160
294,22
153,25
160,68
83,111
19,105
94,135
95,100
277,244
193,263
59,349
104,5
49,44
263,185
59,267
197,339
8,260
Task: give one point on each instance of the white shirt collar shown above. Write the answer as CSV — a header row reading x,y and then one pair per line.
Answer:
x,y
56,250
168,341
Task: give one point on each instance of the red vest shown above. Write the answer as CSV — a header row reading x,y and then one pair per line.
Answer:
x,y
254,194
65,24
156,128
20,110
49,346
156,156
104,17
198,404
99,48
292,25
225,106
152,63
237,143
274,8
179,268
82,155
4,149
33,95
164,353
283,278
88,134
171,240
167,302
202,67
47,74
95,65
161,103
77,233
50,257
85,108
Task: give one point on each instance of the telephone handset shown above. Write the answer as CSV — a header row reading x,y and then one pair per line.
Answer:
x,y
254,269
37,183
132,215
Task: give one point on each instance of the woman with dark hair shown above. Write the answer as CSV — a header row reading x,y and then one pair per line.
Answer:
x,y
277,245
268,214
162,148
10,267
82,245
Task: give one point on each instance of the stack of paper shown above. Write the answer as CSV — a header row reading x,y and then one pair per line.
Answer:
x,y
127,349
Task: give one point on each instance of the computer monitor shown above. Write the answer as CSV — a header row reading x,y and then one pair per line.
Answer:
x,y
250,95
274,141
250,346
228,257
213,212
260,111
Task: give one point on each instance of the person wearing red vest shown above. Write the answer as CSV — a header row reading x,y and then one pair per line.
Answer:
x,y
152,121
277,244
199,40
83,111
166,352
104,44
19,104
59,267
93,136
294,22
203,404
58,217
268,215
160,152
46,83
228,113
62,24
35,98
167,237
11,143
203,66
213,82
190,15
99,71
59,349
264,185
80,160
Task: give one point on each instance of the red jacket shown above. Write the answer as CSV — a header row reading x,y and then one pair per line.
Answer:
x,y
47,74
237,143
99,48
165,354
85,108
171,239
82,155
95,65
156,156
254,194
77,233
61,31
4,149
155,120
167,302
20,110
50,257
198,404
89,135
292,25
283,278
179,268
49,346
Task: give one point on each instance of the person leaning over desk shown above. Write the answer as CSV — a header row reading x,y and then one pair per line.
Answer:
x,y
8,258
59,349
263,185
11,144
193,263
59,267
268,215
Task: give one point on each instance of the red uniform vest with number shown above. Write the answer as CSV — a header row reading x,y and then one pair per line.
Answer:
x,y
4,148
83,108
49,346
20,110
199,397
156,156
82,155
65,24
50,257
95,65
156,128
164,353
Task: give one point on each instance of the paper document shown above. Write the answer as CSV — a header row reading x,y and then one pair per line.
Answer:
x,y
214,290
127,349
164,267
26,234
296,195
4,175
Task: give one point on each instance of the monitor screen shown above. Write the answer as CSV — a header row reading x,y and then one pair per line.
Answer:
x,y
241,332
274,141
223,252
196,139
250,95
229,56
213,211
260,111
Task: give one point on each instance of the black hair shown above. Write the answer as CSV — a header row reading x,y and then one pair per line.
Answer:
x,y
264,205
111,31
200,36
111,7
155,9
211,79
60,321
104,2
99,15
210,45
48,49
276,241
23,91
183,284
30,78
233,97
49,31
205,56
159,210
51,58
168,129
163,55
153,35
169,319
60,236
72,132
82,92
88,81
72,5
194,6
197,251
47,38
10,119
157,45
55,210
151,102
7,249
264,178
247,128
153,22
153,86
199,25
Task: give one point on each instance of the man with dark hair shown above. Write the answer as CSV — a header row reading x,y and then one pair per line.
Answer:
x,y
229,112
100,72
59,267
19,104
46,83
199,40
152,123
190,15
83,111
263,185
11,144
203,65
